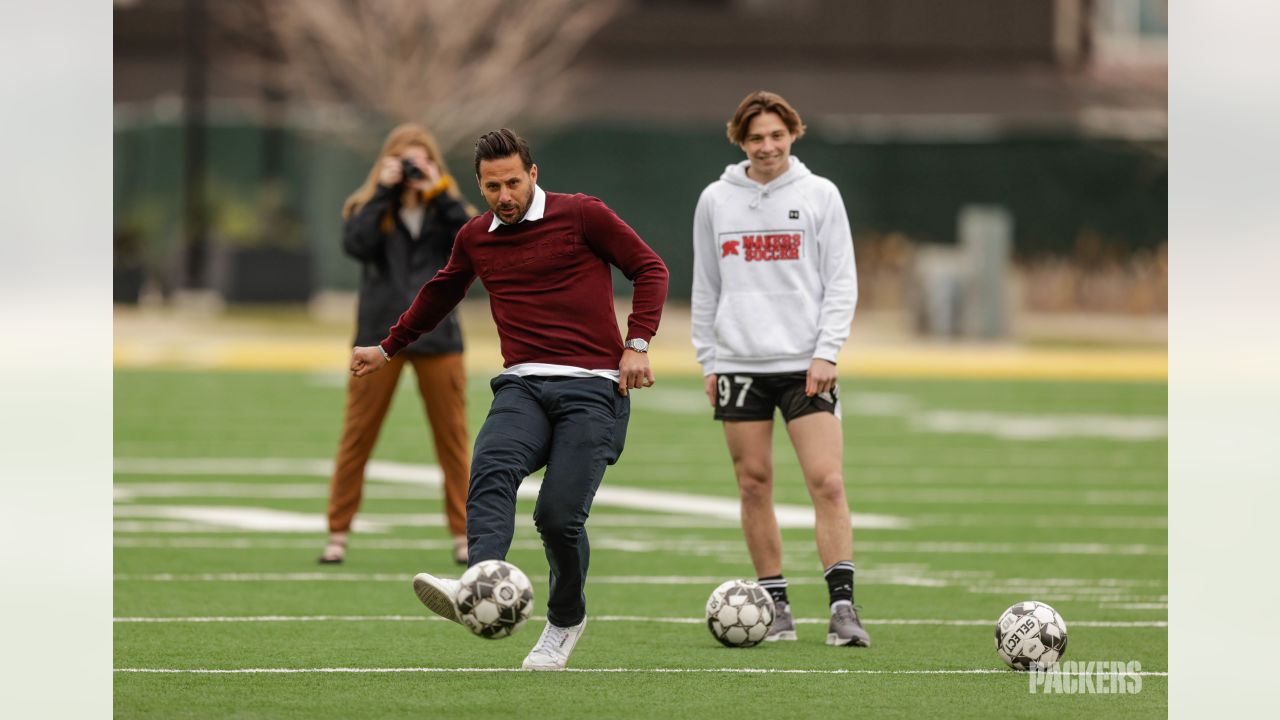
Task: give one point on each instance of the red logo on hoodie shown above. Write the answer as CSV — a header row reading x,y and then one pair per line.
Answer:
x,y
729,248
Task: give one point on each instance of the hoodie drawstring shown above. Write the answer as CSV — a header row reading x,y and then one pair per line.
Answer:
x,y
737,175
762,192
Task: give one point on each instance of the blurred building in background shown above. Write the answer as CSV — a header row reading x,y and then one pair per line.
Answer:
x,y
241,127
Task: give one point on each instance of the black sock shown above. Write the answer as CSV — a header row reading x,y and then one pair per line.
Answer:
x,y
840,581
777,587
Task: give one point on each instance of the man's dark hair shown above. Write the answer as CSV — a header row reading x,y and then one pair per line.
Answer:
x,y
500,144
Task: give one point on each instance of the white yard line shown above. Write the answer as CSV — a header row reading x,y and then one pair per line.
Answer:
x,y
1045,591
723,508
750,671
598,520
709,580
1101,594
1110,522
979,548
602,541
1008,426
127,492
604,618
1026,426
252,519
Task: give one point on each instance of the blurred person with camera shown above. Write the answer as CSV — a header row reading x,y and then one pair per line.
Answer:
x,y
774,290
561,401
400,224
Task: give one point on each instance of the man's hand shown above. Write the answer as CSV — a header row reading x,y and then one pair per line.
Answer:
x,y
710,383
820,378
366,360
633,371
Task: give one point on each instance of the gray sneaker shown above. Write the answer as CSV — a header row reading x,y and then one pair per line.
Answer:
x,y
784,627
438,594
845,628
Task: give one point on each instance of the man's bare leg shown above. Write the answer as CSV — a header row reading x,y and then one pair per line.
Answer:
x,y
751,448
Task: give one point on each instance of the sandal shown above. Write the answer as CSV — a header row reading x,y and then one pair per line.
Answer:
x,y
336,551
460,550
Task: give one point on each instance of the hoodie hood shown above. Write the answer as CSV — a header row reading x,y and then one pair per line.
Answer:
x,y
737,175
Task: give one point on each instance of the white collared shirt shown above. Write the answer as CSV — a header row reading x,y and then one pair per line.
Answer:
x,y
537,208
553,370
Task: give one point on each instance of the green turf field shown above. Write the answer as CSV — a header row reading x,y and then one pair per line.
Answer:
x,y
968,496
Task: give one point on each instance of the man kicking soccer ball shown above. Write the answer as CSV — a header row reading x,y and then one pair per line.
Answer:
x,y
561,401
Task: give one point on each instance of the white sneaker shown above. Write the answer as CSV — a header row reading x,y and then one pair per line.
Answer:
x,y
554,647
439,595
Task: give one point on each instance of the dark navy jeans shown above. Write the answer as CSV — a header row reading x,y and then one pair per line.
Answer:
x,y
575,427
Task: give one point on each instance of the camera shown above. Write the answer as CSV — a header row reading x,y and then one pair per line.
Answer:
x,y
410,172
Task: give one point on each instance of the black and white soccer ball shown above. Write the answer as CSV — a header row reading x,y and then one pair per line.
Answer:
x,y
740,613
1031,636
495,599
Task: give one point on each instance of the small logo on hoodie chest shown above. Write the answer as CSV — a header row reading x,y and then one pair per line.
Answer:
x,y
763,245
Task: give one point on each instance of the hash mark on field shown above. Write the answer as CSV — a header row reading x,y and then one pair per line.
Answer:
x,y
602,618
765,671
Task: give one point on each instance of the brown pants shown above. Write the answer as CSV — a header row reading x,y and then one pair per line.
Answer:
x,y
442,383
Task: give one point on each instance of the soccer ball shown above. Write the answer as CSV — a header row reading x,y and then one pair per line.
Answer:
x,y
1031,636
495,599
740,613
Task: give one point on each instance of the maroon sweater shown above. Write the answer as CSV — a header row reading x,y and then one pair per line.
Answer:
x,y
549,283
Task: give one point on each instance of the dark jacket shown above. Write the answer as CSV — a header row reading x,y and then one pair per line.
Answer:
x,y
396,266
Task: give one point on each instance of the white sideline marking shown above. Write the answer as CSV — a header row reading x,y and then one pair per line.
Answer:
x,y
765,671
602,618
604,542
1012,426
725,508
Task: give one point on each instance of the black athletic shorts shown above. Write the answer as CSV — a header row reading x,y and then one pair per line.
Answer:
x,y
741,396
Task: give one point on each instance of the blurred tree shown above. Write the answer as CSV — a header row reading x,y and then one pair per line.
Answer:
x,y
458,66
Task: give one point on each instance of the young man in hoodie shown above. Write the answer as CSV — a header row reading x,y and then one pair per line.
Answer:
x,y
774,291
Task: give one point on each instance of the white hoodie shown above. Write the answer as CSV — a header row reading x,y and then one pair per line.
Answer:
x,y
774,285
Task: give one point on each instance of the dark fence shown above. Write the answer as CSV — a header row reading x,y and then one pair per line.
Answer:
x,y
1062,191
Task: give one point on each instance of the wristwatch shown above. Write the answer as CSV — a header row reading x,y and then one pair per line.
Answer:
x,y
637,344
